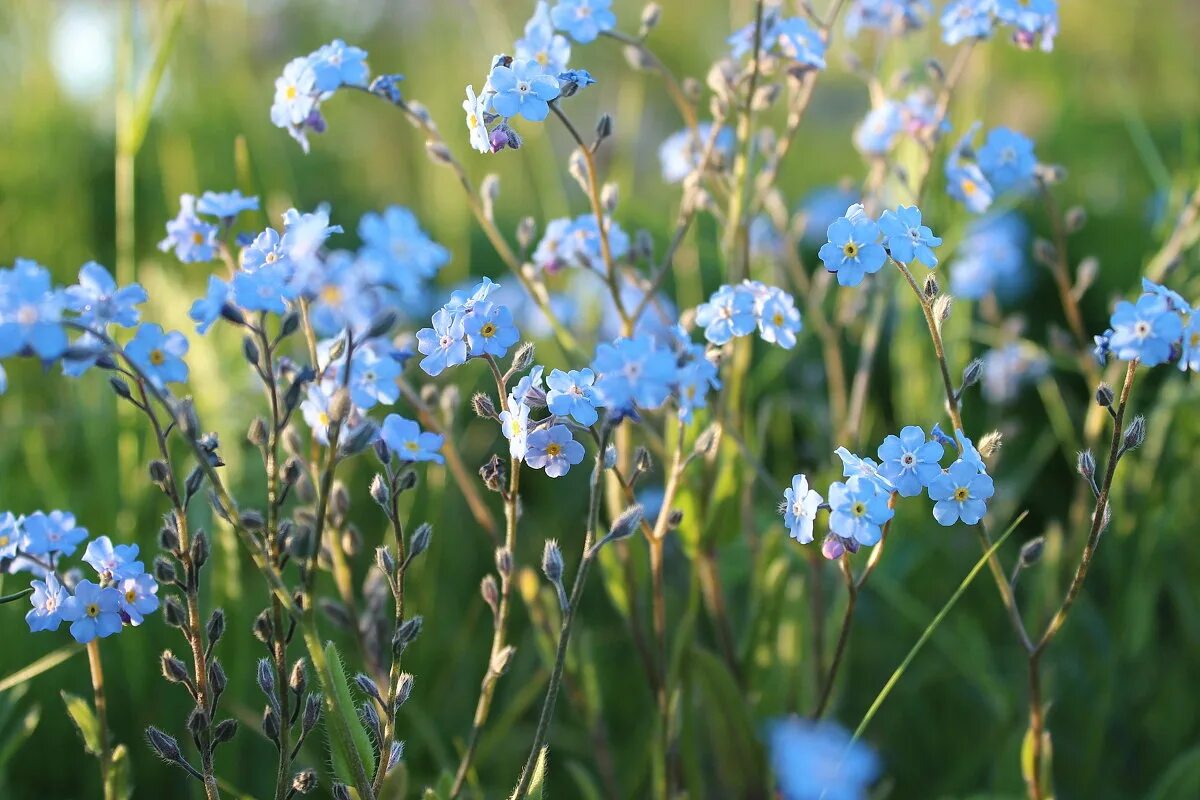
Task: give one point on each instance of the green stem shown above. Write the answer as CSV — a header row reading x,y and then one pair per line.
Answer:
x,y
105,755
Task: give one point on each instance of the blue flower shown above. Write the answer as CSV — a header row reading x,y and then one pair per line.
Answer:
x,y
1007,160
991,258
266,250
571,394
886,16
572,80
967,19
398,252
554,450
633,371
192,239
297,100
1007,368
55,532
444,345
853,249
820,761
960,492
906,238
541,44
800,505
968,454
799,41
113,563
583,20
1036,21
208,309
93,612
522,89
373,377
226,205
267,288
1146,331
315,409
490,330
30,312
138,597
853,465
514,425
729,313
778,317
407,442
908,461
680,152
337,64
859,507
10,535
529,389
1174,300
568,243
692,384
968,185
877,132
821,207
47,599
159,355
463,302
99,302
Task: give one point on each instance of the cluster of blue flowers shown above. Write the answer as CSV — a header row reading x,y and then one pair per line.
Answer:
x,y
916,116
1004,164
469,325
908,465
1034,23
858,246
992,258
887,16
576,243
123,594
735,311
308,81
791,38
1160,328
525,85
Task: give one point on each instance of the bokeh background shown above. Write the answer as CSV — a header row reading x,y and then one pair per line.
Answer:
x,y
1117,104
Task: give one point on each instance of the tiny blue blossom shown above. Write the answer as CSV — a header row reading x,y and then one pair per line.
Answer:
x,y
906,238
93,612
853,249
967,19
909,462
138,597
859,508
680,153
1007,160
373,377
879,130
854,465
514,425
207,310
407,442
55,532
30,312
633,372
490,330
1035,21
113,562
529,389
800,504
399,252
10,535
98,301
968,185
267,288
338,64
1006,369
225,205
444,345
1146,331
820,761
1190,357
541,45
192,239
159,355
522,89
554,450
960,492
968,453
991,258
583,20
47,599
886,16
572,394
729,313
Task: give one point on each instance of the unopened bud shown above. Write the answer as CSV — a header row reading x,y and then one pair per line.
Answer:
x,y
257,434
504,562
1031,551
483,406
523,359
1135,434
552,561
173,669
1085,463
1104,395
420,540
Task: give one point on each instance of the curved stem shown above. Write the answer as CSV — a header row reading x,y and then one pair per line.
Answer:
x,y
101,704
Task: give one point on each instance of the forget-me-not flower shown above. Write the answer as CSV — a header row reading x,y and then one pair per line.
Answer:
x,y
225,205
1146,331
490,330
960,492
523,89
47,599
138,597
908,461
407,442
571,394
98,301
554,450
444,345
93,612
30,312
906,238
853,249
158,354
583,20
820,761
727,314
633,372
800,505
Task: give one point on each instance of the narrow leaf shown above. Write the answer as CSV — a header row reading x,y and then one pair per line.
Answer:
x,y
85,721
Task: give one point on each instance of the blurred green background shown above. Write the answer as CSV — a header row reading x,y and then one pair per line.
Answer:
x,y
1117,103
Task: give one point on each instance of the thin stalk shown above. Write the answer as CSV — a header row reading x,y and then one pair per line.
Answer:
x,y
101,704
674,88
735,231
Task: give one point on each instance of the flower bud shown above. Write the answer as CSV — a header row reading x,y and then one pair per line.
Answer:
x,y
489,591
165,746
1135,434
1085,464
257,434
381,493
419,542
216,626
404,687
552,561
225,731
501,660
1104,395
339,405
173,669
523,359
250,350
1031,551
483,406
299,677
304,781
164,570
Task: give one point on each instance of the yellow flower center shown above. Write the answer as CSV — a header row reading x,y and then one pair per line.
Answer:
x,y
488,330
271,257
291,93
553,449
850,249
197,237
323,418
968,186
92,610
778,318
157,357
1195,339
961,493
27,315
4,540
130,595
331,295
542,58
858,509
411,446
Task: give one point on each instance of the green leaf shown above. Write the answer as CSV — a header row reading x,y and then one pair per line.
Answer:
x,y
1047,762
12,736
46,662
343,753
588,788
1180,779
738,751
120,773
537,784
85,721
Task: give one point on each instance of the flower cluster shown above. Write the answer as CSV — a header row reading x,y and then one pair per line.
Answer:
x,y
858,246
1033,22
576,242
887,16
916,116
307,81
1161,327
791,38
123,594
735,311
908,465
469,325
1004,164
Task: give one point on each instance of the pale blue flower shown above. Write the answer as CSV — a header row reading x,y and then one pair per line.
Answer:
x,y
906,238
407,442
444,345
159,355
138,597
93,612
225,205
98,301
56,532
633,372
729,313
909,462
192,239
399,252
113,562
820,761
30,312
523,89
490,330
554,450
1007,160
1146,331
800,504
960,492
572,394
207,310
541,45
853,250
47,600
583,20
680,153
338,64
859,508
